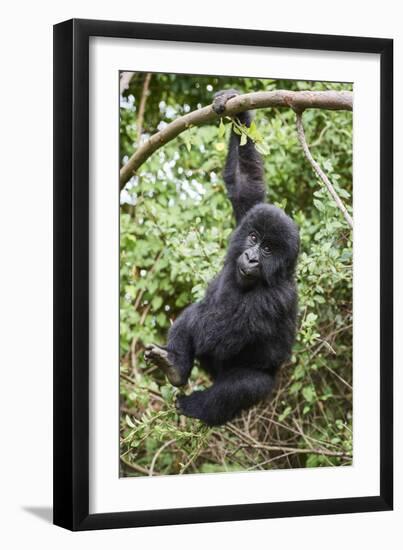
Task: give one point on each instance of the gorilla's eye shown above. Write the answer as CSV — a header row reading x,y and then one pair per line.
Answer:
x,y
266,249
253,237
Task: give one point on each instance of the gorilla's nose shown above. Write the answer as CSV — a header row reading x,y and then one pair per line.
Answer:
x,y
252,257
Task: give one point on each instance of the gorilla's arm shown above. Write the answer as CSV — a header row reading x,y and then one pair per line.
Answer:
x,y
243,173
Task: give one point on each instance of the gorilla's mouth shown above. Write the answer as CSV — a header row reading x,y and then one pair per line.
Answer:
x,y
243,272
250,274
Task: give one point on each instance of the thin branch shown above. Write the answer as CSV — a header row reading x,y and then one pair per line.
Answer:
x,y
269,461
319,172
155,393
299,101
252,443
286,427
338,377
142,106
135,467
157,454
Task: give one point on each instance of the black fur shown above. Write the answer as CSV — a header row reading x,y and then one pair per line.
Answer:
x,y
243,329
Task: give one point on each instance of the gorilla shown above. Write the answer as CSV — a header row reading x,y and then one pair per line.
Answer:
x,y
243,330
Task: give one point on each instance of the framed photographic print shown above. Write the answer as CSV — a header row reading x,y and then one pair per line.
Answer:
x,y
223,320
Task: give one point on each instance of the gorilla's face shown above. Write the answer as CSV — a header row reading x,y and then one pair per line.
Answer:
x,y
249,263
264,248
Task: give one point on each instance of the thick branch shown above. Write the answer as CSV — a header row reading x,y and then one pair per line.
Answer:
x,y
319,172
299,101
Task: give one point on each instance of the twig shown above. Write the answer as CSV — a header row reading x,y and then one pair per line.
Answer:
x,y
285,427
157,454
256,445
338,377
156,393
268,461
135,467
142,106
319,172
196,452
150,272
298,101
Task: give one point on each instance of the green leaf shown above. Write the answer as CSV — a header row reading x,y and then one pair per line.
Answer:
x,y
253,131
309,393
129,422
311,318
319,205
166,392
284,414
295,387
156,302
161,319
262,148
299,372
221,129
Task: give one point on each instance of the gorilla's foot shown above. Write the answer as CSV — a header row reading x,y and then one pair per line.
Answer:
x,y
195,406
221,98
190,405
159,357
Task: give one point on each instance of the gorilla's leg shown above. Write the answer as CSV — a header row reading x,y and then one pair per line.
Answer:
x,y
159,357
176,358
233,391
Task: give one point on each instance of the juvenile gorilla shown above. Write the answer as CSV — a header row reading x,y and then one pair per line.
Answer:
x,y
243,329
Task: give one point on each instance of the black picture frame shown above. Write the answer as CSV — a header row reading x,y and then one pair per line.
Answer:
x,y
71,274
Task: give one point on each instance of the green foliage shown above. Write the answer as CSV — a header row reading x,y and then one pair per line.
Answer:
x,y
175,223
